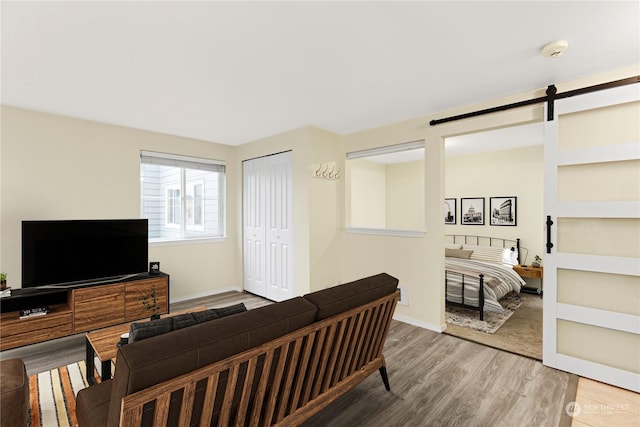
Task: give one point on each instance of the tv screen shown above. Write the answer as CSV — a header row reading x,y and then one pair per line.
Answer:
x,y
66,252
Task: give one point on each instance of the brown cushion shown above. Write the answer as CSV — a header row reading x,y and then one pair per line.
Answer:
x,y
457,253
335,300
92,405
14,392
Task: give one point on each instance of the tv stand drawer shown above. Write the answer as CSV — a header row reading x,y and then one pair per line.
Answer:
x,y
16,332
98,307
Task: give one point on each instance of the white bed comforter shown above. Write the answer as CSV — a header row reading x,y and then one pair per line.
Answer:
x,y
499,280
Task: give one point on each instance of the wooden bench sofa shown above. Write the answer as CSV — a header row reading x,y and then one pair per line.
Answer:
x,y
275,365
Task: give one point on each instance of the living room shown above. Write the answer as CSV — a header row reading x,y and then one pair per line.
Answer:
x,y
59,166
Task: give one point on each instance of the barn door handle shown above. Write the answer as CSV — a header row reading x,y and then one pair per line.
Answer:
x,y
549,224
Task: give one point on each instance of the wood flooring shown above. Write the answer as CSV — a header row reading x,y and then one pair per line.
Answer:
x,y
436,380
440,380
604,405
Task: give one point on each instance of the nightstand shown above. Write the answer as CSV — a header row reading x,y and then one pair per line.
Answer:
x,y
532,273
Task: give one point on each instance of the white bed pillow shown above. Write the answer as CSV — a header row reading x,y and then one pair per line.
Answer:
x,y
486,253
452,246
510,256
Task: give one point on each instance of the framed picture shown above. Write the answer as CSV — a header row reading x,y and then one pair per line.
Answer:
x,y
503,211
472,211
449,211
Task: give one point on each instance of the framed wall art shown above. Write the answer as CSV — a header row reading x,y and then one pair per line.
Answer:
x,y
472,211
450,211
503,211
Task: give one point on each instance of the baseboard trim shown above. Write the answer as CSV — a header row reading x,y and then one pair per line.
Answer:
x,y
419,324
204,294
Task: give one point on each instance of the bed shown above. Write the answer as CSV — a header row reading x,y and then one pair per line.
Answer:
x,y
479,271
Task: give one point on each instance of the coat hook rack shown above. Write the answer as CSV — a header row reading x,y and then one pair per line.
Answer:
x,y
327,170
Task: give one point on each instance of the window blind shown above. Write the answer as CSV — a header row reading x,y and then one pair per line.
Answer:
x,y
164,159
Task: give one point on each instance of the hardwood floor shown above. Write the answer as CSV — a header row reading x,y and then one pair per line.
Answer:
x,y
604,405
440,380
436,380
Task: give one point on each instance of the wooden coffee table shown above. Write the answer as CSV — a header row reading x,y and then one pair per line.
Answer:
x,y
103,344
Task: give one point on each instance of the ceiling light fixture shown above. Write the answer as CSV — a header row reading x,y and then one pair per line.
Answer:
x,y
554,49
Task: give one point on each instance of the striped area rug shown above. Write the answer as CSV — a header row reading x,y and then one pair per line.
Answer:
x,y
53,395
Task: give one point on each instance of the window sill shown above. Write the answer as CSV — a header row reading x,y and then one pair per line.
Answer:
x,y
186,241
384,232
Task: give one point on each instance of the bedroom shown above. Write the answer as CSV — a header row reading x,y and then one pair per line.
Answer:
x,y
387,187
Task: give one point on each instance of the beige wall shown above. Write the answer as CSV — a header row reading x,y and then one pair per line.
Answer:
x,y
518,172
317,203
326,211
56,167
366,183
97,167
419,261
405,196
385,196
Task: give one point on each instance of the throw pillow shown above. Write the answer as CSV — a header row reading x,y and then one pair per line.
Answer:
x,y
143,330
457,253
228,311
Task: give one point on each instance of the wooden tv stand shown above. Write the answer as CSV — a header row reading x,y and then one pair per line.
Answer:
x,y
80,309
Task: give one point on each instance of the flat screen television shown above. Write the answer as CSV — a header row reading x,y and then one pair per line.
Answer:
x,y
70,252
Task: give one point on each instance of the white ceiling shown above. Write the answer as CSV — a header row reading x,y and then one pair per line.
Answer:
x,y
234,72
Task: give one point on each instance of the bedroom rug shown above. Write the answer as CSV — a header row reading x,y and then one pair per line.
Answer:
x,y
468,318
521,335
52,395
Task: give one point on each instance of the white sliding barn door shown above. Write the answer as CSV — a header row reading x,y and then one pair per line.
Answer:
x,y
592,275
267,213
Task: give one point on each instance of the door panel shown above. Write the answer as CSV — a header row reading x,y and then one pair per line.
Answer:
x,y
592,273
267,211
602,291
253,212
279,235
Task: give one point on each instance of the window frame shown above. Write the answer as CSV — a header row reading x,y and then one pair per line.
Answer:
x,y
371,152
183,164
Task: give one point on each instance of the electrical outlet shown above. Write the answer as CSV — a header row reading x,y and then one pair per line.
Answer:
x,y
171,283
404,295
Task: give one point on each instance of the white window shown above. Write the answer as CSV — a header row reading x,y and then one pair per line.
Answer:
x,y
182,197
194,204
173,206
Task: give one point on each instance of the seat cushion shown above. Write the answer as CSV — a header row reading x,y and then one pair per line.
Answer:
x,y
338,299
14,393
92,405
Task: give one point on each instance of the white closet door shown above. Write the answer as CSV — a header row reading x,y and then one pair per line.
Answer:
x,y
592,274
267,216
278,227
254,208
